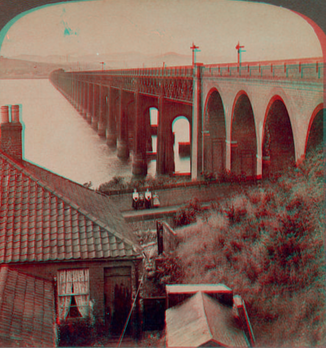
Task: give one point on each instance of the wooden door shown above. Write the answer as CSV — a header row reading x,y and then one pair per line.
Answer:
x,y
117,293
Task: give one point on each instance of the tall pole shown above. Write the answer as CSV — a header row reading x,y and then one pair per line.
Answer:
x,y
240,50
194,49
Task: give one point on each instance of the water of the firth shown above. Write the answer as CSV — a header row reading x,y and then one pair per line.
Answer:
x,y
57,138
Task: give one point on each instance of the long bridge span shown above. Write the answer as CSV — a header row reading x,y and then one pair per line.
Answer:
x,y
252,120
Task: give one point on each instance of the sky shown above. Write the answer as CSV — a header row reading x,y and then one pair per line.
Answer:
x,y
155,27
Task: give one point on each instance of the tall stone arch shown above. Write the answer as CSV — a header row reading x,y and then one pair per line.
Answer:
x,y
214,133
278,148
243,137
315,132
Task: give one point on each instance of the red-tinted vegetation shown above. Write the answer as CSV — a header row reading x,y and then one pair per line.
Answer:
x,y
267,245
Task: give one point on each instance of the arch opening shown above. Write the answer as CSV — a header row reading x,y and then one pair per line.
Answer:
x,y
151,146
214,134
153,114
181,145
316,132
243,139
278,142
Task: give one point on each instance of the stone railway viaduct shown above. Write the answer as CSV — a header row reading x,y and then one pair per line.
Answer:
x,y
252,120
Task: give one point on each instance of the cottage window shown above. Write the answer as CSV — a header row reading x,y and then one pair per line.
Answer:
x,y
73,291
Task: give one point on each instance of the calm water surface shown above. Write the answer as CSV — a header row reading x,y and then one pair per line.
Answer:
x,y
57,138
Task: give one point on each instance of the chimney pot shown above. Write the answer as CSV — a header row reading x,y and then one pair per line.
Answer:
x,y
15,113
5,114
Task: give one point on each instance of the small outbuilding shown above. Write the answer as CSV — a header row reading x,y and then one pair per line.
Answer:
x,y
206,316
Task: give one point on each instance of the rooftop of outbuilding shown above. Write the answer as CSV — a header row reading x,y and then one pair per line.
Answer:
x,y
27,313
202,320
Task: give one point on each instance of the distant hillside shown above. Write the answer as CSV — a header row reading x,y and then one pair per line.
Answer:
x,y
17,68
123,60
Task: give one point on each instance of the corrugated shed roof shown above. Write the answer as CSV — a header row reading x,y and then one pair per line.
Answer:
x,y
201,319
43,221
27,313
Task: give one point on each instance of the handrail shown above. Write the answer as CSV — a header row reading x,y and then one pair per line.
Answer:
x,y
277,70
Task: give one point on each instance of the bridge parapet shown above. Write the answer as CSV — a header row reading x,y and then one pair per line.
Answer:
x,y
177,71
175,83
293,70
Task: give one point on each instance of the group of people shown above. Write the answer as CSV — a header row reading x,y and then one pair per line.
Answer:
x,y
139,200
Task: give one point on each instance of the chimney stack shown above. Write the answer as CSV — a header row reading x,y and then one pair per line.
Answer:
x,y
11,132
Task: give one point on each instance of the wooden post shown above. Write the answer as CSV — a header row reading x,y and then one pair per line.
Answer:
x,y
159,229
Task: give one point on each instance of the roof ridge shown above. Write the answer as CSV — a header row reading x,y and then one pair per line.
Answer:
x,y
204,310
66,200
63,177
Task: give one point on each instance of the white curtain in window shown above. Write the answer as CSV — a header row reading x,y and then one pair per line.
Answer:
x,y
81,286
64,287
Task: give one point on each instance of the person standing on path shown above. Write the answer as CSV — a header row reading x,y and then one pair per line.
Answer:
x,y
135,198
148,199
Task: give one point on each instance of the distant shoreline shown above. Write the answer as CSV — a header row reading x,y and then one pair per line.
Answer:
x,y
25,78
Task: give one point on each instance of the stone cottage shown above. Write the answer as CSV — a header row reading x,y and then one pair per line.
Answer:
x,y
64,233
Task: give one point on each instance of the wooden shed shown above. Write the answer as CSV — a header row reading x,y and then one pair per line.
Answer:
x,y
204,316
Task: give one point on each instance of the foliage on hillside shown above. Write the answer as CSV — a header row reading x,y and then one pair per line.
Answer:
x,y
121,183
267,245
188,214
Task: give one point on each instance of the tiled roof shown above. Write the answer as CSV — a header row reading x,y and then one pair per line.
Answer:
x,y
201,320
44,217
26,310
100,206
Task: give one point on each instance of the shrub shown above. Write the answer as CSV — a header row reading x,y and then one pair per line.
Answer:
x,y
120,183
209,176
187,215
145,237
76,333
168,269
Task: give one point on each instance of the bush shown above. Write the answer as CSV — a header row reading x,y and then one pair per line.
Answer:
x,y
120,183
168,269
209,176
145,237
187,215
76,333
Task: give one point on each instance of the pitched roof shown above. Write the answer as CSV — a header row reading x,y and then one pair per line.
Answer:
x,y
98,205
44,217
193,288
26,310
202,320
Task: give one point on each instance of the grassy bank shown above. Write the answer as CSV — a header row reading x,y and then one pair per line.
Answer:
x,y
267,245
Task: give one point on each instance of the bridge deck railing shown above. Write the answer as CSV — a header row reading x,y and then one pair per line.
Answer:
x,y
309,71
178,71
306,69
